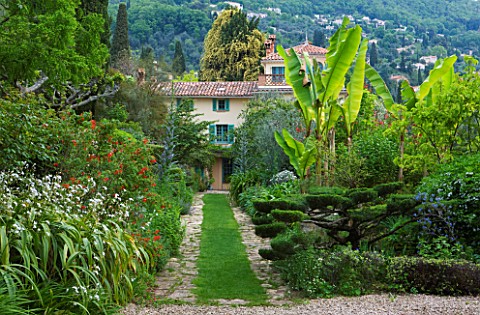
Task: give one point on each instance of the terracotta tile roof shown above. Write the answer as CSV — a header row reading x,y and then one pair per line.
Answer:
x,y
210,89
300,49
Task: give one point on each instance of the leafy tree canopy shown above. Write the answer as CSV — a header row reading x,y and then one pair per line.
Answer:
x,y
232,48
44,39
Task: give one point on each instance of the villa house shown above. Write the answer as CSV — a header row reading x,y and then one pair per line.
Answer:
x,y
273,77
223,102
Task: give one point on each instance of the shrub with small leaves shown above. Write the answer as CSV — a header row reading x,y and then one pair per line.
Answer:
x,y
389,188
288,216
362,195
270,230
434,276
325,273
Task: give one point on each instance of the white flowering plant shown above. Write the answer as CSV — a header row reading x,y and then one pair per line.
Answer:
x,y
283,177
66,243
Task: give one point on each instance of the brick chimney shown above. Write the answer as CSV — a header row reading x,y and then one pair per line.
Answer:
x,y
270,45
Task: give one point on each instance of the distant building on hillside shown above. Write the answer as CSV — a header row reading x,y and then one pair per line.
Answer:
x,y
234,4
429,59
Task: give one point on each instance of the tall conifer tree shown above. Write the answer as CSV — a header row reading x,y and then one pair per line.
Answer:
x,y
319,38
373,55
178,65
120,50
232,48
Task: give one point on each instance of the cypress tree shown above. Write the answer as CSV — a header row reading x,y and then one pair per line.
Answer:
x,y
120,50
319,38
178,64
373,55
419,76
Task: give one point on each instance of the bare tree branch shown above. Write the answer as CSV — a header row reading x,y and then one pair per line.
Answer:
x,y
34,87
108,93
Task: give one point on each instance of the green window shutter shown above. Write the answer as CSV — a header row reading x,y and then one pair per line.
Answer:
x,y
230,133
211,131
227,104
214,105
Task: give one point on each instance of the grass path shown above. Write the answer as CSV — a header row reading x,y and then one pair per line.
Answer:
x,y
223,267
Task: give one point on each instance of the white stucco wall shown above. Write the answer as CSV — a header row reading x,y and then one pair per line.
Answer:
x,y
204,106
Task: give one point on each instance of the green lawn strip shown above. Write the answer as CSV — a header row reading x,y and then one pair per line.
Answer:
x,y
223,267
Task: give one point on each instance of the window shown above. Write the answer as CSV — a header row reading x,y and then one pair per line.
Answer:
x,y
227,170
221,134
278,74
222,105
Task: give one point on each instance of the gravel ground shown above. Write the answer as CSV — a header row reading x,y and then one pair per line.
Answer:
x,y
370,304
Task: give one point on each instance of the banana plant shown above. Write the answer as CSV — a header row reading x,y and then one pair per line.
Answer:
x,y
355,87
301,156
317,90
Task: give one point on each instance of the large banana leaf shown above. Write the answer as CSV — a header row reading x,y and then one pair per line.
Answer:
x,y
339,62
308,157
351,106
296,145
379,85
444,67
337,37
311,71
290,152
294,76
301,156
408,95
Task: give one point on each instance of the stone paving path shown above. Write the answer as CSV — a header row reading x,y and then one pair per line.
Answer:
x,y
175,281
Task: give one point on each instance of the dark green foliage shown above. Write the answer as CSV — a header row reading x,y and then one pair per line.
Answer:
x,y
373,55
362,195
120,49
319,38
288,216
268,254
266,206
328,200
401,203
144,107
455,189
434,276
283,245
259,219
319,190
99,7
322,273
379,152
270,230
239,182
367,213
255,149
178,64
389,188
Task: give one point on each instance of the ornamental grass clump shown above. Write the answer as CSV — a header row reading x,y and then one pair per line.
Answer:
x,y
64,248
